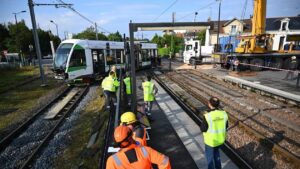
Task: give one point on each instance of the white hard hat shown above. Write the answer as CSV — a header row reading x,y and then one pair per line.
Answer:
x,y
293,57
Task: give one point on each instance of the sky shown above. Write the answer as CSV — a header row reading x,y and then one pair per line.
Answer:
x,y
114,15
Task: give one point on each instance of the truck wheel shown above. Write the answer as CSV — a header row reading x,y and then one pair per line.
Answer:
x,y
286,63
244,67
257,62
277,63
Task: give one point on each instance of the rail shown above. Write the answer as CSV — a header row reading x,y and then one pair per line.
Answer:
x,y
5,141
227,148
47,139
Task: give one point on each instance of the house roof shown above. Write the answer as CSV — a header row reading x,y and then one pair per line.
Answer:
x,y
272,24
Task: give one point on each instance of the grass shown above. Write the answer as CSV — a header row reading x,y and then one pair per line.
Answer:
x,y
24,101
10,77
76,154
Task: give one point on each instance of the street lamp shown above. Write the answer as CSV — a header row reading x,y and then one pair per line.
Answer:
x,y
56,27
15,13
16,38
196,13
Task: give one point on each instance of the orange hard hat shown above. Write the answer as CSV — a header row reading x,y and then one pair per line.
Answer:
x,y
122,133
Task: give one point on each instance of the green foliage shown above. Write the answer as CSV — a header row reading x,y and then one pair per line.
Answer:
x,y
115,36
163,51
169,43
201,36
90,34
16,38
4,35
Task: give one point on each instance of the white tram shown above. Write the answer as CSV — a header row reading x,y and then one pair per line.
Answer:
x,y
86,59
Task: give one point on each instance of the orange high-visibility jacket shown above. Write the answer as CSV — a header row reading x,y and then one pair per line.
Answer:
x,y
137,157
139,135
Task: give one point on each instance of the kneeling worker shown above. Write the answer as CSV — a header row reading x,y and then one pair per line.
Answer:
x,y
139,133
132,155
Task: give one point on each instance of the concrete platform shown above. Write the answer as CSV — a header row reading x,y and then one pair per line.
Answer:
x,y
187,130
164,138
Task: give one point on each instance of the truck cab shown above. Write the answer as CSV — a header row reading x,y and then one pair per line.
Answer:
x,y
191,50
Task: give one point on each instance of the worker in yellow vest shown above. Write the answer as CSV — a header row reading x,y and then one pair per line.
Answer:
x,y
149,92
214,129
127,82
110,85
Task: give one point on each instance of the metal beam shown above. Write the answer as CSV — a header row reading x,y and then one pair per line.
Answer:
x,y
171,26
134,27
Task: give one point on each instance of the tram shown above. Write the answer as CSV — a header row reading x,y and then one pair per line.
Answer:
x,y
91,59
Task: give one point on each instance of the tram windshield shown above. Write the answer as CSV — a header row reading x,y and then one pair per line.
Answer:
x,y
62,54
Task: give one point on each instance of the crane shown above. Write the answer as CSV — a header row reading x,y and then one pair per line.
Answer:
x,y
258,42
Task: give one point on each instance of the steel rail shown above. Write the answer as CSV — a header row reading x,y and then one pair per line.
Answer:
x,y
227,148
258,134
74,102
7,140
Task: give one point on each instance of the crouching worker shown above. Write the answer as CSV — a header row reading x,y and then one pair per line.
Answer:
x,y
132,155
139,132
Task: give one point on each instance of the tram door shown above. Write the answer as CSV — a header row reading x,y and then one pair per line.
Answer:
x,y
98,61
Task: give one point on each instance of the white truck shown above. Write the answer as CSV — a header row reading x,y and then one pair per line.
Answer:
x,y
193,51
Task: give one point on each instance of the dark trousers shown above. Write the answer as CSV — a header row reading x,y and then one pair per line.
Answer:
x,y
213,157
148,107
109,96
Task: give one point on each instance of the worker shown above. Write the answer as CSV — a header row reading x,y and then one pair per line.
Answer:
x,y
214,127
109,85
131,155
149,91
292,67
139,132
127,82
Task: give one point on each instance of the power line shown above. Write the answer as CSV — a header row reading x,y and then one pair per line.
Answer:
x,y
84,17
165,10
192,13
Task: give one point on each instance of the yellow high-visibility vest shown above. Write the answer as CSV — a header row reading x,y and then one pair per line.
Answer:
x,y
216,132
128,85
109,83
148,91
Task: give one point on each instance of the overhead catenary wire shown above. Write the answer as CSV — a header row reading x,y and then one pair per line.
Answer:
x,y
165,10
84,17
192,13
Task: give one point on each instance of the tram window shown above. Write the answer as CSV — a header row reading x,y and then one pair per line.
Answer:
x,y
145,56
111,57
119,56
95,54
78,58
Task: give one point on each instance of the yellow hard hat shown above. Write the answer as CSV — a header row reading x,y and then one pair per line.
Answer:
x,y
128,118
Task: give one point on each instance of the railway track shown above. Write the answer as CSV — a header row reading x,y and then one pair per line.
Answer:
x,y
20,148
275,135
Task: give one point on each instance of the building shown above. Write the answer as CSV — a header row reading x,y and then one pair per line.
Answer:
x,y
285,30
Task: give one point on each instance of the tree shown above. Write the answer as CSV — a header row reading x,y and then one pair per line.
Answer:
x,y
201,36
115,36
20,38
4,35
158,40
90,34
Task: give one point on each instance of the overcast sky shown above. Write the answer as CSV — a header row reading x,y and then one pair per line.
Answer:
x,y
115,15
